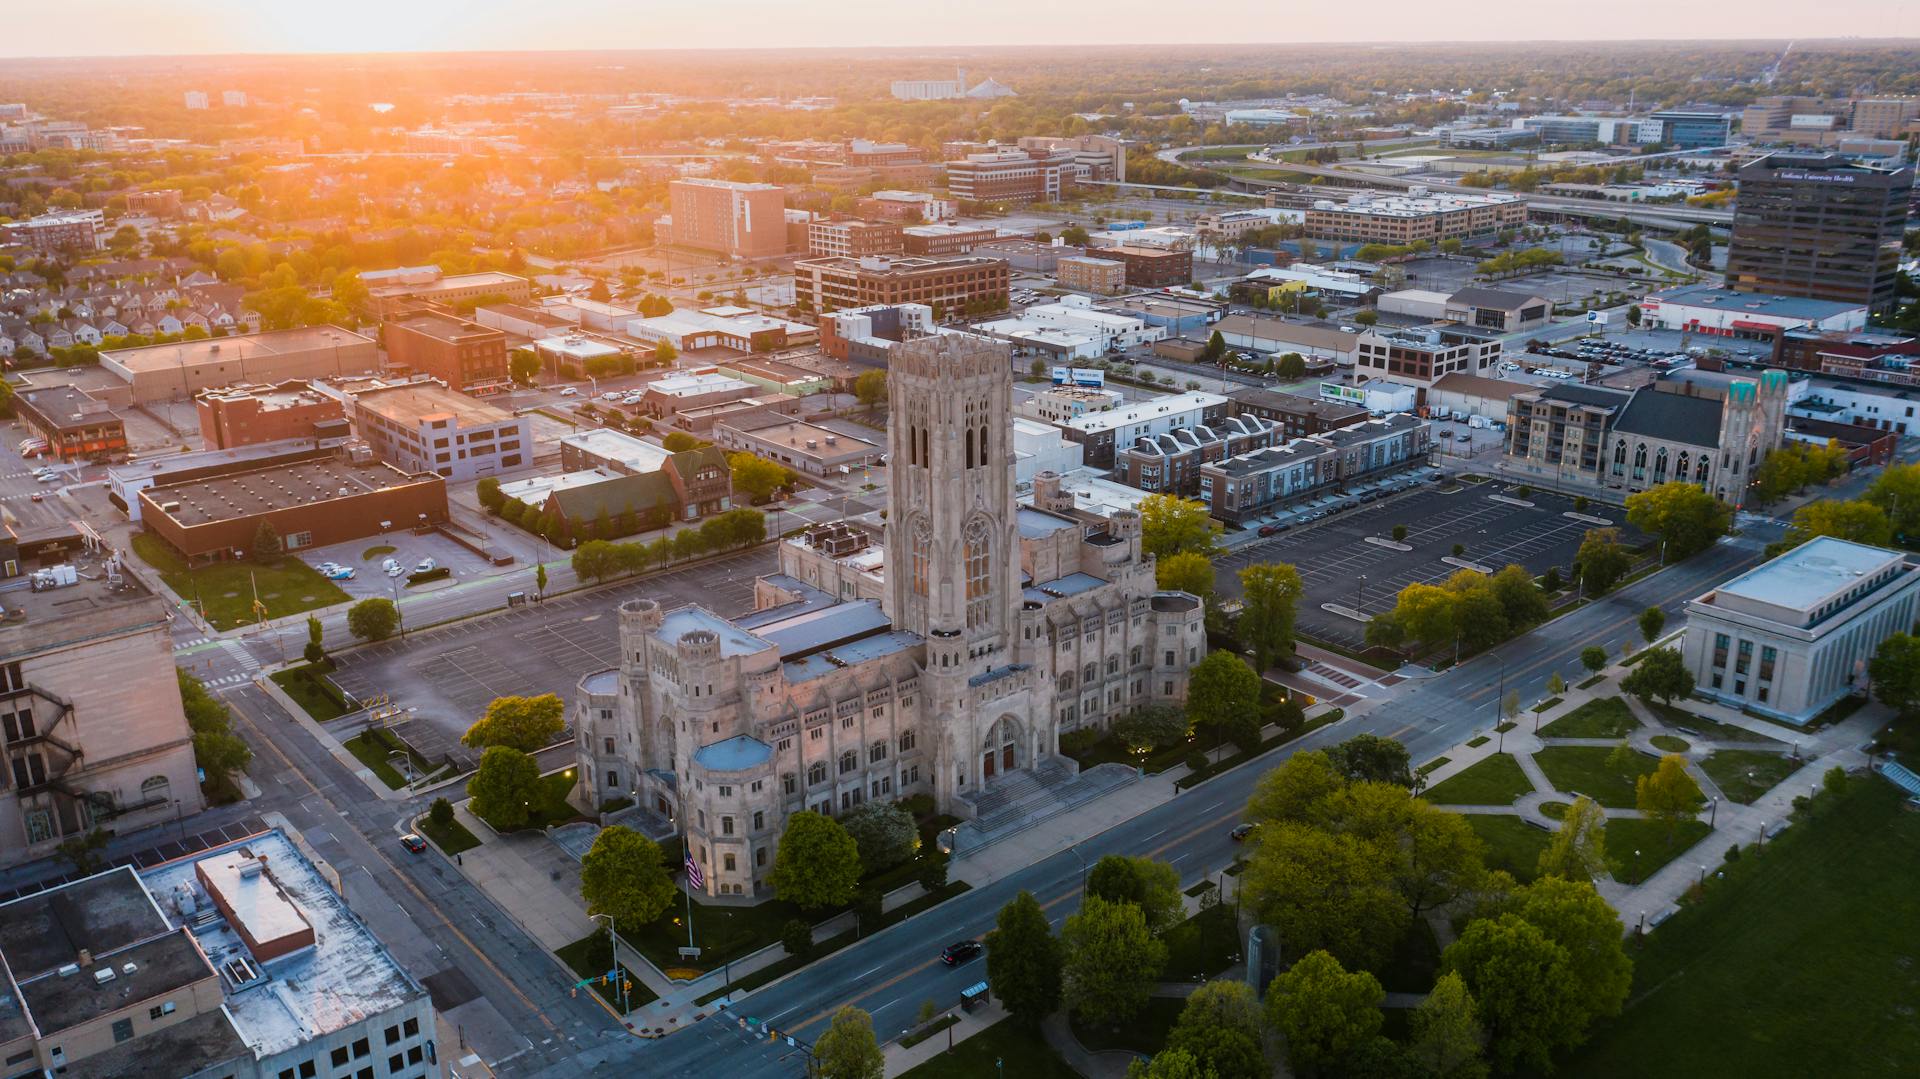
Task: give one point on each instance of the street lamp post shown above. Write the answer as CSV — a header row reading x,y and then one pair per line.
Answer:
x,y
1713,813
1083,866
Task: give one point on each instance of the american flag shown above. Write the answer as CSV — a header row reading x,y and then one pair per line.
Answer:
x,y
693,872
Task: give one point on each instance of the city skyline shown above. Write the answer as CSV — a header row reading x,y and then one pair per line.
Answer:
x,y
218,27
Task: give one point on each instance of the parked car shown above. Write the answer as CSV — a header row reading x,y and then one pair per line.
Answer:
x,y
1241,832
340,573
38,496
960,951
392,567
425,565
1273,530
413,843
569,391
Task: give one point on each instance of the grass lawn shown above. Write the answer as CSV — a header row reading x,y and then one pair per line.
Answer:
x,y
1512,844
1671,743
1414,960
1720,732
1550,702
592,956
225,589
722,933
553,807
1437,762
1144,1033
1202,946
1009,1039
1730,768
1602,717
1591,682
373,746
1584,770
308,687
1478,741
1496,781
1556,810
1655,842
377,551
451,840
1819,911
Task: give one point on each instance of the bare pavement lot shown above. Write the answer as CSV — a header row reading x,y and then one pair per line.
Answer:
x,y
450,673
1337,564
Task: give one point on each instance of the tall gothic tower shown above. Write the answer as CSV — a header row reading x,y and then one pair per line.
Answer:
x,y
952,557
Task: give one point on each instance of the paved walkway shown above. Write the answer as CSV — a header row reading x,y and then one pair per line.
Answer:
x,y
901,1059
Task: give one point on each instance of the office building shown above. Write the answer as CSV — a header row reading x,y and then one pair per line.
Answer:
x,y
863,335
1248,486
1170,462
1295,415
1417,215
1103,157
949,285
1574,437
312,501
177,371
801,446
248,415
422,426
945,238
468,357
857,239
195,99
739,220
1418,356
906,206
998,627
580,355
1793,636
716,327
83,750
76,425
1014,176
1060,404
1819,226
529,323
1693,129
1885,117
240,961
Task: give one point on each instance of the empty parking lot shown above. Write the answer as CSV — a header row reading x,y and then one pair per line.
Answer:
x,y
1337,565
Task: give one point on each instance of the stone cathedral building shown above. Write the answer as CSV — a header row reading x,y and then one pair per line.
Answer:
x,y
940,653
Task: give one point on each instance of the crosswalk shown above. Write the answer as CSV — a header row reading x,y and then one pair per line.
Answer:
x,y
191,642
228,680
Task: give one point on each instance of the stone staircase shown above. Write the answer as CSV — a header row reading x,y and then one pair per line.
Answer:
x,y
1902,777
1019,800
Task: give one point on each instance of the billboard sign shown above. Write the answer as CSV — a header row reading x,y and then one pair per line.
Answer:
x,y
1333,391
1089,376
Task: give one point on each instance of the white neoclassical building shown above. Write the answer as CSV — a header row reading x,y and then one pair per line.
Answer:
x,y
943,656
1790,637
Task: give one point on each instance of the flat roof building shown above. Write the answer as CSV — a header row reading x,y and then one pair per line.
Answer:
x,y
1152,267
1727,313
802,446
665,397
854,238
740,220
75,425
467,356
246,415
1417,215
1794,635
1820,226
1103,432
177,371
945,238
391,291
964,283
310,503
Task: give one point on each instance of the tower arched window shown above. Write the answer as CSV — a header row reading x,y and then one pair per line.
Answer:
x,y
979,557
983,446
969,447
1640,460
922,544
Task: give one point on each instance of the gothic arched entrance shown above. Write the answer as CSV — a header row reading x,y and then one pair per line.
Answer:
x,y
1000,752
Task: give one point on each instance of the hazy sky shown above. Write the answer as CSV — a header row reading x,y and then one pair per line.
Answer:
x,y
120,27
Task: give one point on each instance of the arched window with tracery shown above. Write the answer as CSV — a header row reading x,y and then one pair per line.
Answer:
x,y
979,557
922,549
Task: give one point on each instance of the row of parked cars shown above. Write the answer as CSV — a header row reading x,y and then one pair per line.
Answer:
x,y
392,567
1340,501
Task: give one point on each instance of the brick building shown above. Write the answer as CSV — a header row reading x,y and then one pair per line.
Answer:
x,y
1015,176
423,426
1089,274
953,284
468,357
855,238
177,371
1169,462
1151,267
1298,416
73,422
943,238
248,415
309,503
1402,219
739,220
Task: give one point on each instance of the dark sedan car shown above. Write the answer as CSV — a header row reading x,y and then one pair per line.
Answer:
x,y
413,843
960,951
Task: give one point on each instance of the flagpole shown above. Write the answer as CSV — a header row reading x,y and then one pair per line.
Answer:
x,y
686,844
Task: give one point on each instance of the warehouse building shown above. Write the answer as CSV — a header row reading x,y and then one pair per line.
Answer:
x,y
177,371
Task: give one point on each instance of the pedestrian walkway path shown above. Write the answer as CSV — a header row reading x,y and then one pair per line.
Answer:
x,y
1025,798
902,1059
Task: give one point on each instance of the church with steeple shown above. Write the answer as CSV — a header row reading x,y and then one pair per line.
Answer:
x,y
940,650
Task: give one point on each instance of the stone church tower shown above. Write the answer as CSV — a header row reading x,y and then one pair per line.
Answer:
x,y
952,556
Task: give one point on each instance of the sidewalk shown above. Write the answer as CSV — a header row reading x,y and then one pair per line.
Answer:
x,y
901,1060
984,865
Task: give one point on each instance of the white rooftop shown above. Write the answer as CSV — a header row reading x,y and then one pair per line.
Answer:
x,y
636,454
250,891
1145,411
1811,573
534,490
695,385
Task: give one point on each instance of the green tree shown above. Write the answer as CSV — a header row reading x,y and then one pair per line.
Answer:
x,y
1652,621
1686,518
1856,520
1220,1027
1603,560
1168,1064
1521,600
1578,849
621,875
1024,960
818,864
216,749
504,786
1660,673
1150,728
1522,987
1188,571
1323,1011
1897,491
1074,236
1170,525
1152,886
757,477
523,365
1291,366
1573,915
373,619
1112,961
440,813
848,1049
1270,594
266,543
1593,658
540,578
1445,1037
665,353
1333,891
1669,794
524,723
1437,855
1215,349
315,651
679,442
1372,758
1895,672
796,936
870,388
883,832
1220,688
1297,791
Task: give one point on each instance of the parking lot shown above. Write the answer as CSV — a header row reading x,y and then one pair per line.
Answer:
x,y
448,675
1337,565
408,550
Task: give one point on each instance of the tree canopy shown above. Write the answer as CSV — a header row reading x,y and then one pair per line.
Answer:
x,y
1270,593
1220,1027
848,1049
883,832
373,619
523,723
1024,960
503,786
1112,960
1685,516
1661,673
621,875
818,863
1170,525
1152,886
1324,1011
1188,571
